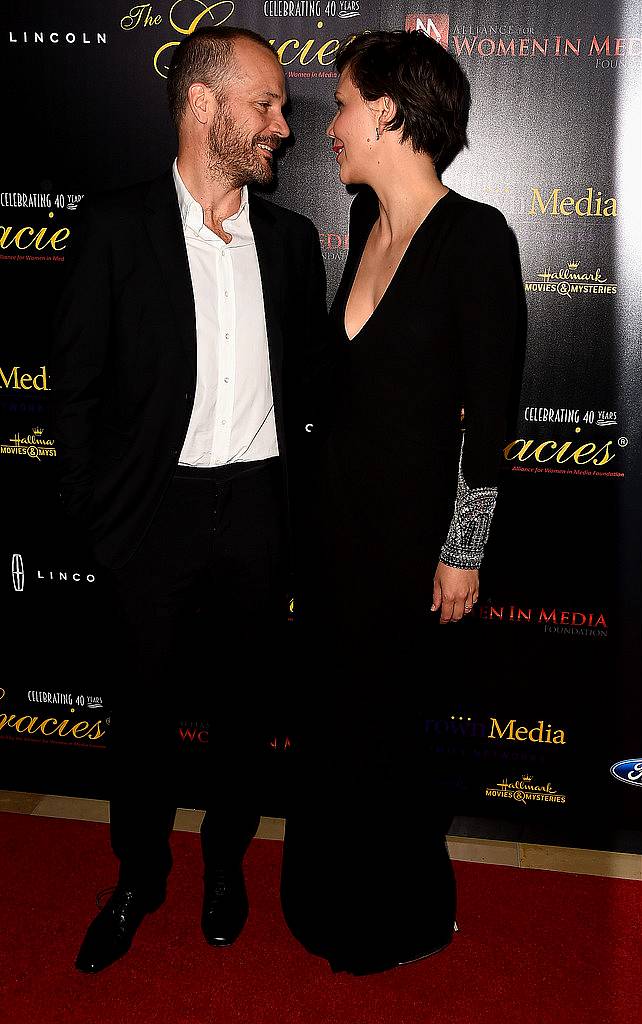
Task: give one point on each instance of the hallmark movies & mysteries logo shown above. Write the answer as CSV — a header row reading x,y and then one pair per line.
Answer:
x,y
33,445
525,790
571,281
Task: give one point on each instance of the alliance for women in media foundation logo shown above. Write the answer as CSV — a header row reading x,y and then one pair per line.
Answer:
x,y
496,39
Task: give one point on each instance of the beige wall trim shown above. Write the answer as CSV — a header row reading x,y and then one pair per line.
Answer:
x,y
478,851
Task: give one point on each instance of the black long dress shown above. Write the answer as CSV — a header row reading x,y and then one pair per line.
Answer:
x,y
366,881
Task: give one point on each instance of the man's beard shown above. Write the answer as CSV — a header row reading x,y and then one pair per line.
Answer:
x,y
233,157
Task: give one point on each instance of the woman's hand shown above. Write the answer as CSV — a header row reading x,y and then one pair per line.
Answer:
x,y
455,591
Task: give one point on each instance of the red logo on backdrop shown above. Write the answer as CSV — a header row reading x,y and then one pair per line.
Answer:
x,y
433,25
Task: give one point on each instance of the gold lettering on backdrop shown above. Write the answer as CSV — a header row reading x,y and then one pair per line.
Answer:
x,y
140,15
183,20
524,791
590,205
20,723
186,29
33,725
539,733
538,451
9,379
24,237
582,454
219,13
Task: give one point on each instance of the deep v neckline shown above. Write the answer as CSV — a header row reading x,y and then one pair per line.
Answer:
x,y
415,233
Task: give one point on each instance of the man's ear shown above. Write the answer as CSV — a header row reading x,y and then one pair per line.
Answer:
x,y
199,101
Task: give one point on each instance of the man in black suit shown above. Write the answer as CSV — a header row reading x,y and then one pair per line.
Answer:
x,y
186,341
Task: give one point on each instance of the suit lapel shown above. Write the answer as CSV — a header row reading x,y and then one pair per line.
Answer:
x,y
270,253
163,219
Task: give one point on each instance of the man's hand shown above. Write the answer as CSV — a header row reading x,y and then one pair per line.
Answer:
x,y
455,591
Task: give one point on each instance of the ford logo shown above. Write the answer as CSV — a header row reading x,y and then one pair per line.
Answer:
x,y
628,771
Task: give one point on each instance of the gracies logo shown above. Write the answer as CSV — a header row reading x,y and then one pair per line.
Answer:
x,y
185,16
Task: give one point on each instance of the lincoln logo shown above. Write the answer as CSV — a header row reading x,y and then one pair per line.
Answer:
x,y
18,573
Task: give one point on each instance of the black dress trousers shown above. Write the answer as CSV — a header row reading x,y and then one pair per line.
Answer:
x,y
202,607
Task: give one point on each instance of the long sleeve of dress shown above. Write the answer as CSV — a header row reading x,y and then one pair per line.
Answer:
x,y
486,323
470,524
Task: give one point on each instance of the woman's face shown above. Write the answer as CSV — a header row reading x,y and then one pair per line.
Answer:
x,y
353,131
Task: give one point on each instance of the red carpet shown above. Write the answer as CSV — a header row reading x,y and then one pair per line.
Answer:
x,y
534,948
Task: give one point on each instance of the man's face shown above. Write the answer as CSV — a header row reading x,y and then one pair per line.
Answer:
x,y
248,124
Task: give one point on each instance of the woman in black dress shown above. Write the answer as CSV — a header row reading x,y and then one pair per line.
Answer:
x,y
425,318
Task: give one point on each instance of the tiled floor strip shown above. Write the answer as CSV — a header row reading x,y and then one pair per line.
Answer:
x,y
481,851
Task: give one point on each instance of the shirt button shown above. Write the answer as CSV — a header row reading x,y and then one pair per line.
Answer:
x,y
227,337
224,422
227,294
226,379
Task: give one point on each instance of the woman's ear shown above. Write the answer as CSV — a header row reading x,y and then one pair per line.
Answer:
x,y
386,112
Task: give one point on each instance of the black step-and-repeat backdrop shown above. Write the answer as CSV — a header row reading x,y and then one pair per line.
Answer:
x,y
550,730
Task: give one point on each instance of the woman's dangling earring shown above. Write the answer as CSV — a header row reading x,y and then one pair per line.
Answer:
x,y
377,132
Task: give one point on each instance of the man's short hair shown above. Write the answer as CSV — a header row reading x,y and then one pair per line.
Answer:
x,y
205,56
427,84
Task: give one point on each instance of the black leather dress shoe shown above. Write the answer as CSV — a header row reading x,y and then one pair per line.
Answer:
x,y
110,935
225,906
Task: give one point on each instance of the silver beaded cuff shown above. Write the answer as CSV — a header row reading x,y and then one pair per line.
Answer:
x,y
470,525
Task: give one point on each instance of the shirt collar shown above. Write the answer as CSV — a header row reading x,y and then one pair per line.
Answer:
x,y
192,211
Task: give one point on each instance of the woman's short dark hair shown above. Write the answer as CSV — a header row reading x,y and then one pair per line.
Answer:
x,y
204,57
426,83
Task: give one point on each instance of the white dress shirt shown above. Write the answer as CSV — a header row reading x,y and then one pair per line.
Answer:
x,y
233,414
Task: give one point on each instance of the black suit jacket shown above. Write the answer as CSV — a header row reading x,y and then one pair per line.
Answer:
x,y
124,360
